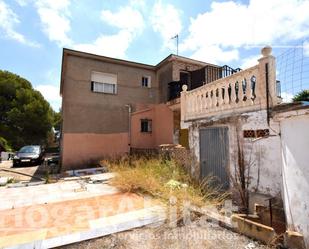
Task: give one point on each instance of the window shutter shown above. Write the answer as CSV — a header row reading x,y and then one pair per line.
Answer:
x,y
92,83
149,81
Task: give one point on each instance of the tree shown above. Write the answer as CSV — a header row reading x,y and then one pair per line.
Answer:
x,y
302,96
25,116
57,119
4,144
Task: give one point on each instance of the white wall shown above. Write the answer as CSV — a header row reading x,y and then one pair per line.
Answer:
x,y
263,155
295,172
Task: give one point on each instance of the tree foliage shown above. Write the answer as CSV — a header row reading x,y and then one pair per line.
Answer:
x,y
25,116
57,120
302,96
4,144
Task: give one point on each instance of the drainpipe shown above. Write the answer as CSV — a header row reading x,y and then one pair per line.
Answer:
x,y
129,124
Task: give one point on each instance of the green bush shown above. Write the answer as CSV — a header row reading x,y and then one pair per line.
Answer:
x,y
5,144
302,96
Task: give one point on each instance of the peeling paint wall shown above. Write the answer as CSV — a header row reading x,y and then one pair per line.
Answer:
x,y
263,155
295,168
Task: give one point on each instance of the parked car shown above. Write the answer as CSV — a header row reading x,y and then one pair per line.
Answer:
x,y
51,156
30,155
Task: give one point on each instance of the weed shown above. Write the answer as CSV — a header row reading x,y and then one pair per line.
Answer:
x,y
162,179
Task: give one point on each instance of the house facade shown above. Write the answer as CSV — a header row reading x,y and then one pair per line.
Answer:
x,y
110,106
232,121
241,133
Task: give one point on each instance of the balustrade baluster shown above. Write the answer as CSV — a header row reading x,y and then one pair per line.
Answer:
x,y
240,92
226,95
220,97
233,94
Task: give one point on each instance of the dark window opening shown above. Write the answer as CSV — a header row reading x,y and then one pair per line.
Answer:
x,y
253,83
145,81
146,125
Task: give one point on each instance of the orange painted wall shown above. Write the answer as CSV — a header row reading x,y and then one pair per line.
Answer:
x,y
79,149
162,127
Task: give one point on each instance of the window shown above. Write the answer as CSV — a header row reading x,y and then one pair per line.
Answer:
x,y
146,125
104,83
146,81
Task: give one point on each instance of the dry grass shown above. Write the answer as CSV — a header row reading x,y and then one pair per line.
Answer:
x,y
162,179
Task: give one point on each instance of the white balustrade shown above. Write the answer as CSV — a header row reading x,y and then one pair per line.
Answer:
x,y
221,95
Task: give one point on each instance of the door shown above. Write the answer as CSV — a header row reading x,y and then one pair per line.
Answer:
x,y
214,154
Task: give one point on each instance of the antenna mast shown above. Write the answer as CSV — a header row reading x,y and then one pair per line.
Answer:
x,y
177,41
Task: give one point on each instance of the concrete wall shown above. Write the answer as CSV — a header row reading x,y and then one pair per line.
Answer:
x,y
80,149
89,112
261,155
295,156
162,127
92,115
97,124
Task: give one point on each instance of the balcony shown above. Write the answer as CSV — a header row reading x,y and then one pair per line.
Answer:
x,y
246,90
199,78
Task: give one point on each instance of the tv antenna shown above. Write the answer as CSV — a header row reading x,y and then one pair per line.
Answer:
x,y
176,37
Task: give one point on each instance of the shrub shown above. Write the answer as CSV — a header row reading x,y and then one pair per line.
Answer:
x,y
162,179
302,96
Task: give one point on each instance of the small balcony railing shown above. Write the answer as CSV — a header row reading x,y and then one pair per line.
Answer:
x,y
211,74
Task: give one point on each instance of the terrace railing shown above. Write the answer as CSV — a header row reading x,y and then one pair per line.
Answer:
x,y
247,90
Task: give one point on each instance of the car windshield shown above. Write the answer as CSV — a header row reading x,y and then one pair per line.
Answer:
x,y
30,149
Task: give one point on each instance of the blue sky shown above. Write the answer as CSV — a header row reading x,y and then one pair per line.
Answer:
x,y
33,32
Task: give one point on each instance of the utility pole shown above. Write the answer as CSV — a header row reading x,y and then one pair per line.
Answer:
x,y
176,37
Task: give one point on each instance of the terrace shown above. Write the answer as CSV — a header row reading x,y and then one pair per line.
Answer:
x,y
246,90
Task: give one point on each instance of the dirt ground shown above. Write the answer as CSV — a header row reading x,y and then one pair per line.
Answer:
x,y
186,237
30,173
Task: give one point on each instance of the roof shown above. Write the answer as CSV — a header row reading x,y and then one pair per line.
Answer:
x,y
169,58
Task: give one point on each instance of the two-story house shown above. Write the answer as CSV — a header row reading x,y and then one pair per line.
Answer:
x,y
110,105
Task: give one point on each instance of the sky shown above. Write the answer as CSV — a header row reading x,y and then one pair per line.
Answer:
x,y
33,33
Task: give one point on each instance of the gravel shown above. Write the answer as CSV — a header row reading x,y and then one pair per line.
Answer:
x,y
185,237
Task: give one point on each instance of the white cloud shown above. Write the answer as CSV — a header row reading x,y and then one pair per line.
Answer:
x,y
231,25
55,19
166,20
130,23
51,94
250,61
108,45
127,18
8,21
215,55
22,3
287,97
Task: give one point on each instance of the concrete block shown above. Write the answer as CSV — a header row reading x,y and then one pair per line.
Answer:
x,y
253,229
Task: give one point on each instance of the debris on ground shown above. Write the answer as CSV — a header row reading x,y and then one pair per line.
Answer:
x,y
187,237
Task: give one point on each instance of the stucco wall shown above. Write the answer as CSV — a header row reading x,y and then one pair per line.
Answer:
x,y
162,127
263,155
295,155
84,148
142,139
85,111
97,124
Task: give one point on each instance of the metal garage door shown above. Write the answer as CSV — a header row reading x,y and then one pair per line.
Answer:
x,y
214,154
